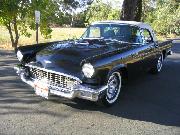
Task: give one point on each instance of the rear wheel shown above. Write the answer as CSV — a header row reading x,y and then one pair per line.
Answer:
x,y
113,90
158,67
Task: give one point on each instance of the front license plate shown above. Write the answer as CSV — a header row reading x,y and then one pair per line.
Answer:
x,y
41,89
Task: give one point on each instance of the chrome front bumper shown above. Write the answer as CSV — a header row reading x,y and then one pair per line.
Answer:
x,y
79,91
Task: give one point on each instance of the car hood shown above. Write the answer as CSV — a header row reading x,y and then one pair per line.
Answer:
x,y
67,57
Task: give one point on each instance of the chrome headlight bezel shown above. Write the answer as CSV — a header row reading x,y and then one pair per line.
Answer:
x,y
88,70
19,55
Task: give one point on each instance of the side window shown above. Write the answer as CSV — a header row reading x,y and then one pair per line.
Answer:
x,y
95,32
136,35
147,38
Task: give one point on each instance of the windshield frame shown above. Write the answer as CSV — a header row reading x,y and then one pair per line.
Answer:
x,y
110,25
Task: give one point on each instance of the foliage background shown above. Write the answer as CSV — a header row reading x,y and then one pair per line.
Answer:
x,y
164,16
59,17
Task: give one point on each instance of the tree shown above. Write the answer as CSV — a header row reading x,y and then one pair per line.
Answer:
x,y
163,16
18,15
99,11
68,12
131,10
9,13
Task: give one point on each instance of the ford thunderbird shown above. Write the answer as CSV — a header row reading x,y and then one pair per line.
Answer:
x,y
95,66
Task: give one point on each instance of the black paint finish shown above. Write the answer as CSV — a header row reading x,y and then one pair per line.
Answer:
x,y
69,56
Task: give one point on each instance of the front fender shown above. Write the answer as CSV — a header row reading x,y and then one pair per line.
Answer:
x,y
119,67
29,51
103,74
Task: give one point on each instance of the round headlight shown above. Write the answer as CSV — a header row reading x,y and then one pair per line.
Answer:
x,y
88,70
19,55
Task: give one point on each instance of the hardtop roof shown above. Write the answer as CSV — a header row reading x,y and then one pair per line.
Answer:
x,y
138,24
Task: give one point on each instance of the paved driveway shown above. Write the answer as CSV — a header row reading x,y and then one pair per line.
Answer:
x,y
148,105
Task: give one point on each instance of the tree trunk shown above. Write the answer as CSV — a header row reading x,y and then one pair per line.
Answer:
x,y
131,10
16,33
8,26
138,11
14,41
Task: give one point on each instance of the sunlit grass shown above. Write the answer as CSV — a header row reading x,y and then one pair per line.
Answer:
x,y
57,34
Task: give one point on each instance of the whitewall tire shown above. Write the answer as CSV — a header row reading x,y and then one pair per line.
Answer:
x,y
114,84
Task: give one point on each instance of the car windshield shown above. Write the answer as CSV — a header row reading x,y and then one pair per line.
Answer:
x,y
118,32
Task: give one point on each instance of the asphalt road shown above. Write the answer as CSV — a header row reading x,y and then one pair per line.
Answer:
x,y
148,105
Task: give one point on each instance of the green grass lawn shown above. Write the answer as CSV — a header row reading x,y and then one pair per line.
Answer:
x,y
57,34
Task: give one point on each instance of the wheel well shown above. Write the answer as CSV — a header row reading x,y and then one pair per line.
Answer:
x,y
122,70
164,54
124,74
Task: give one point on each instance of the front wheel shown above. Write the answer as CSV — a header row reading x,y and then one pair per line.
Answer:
x,y
158,67
113,89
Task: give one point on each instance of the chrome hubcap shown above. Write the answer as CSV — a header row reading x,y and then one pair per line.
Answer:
x,y
114,85
159,64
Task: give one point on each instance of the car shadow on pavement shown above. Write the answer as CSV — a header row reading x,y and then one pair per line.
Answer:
x,y
145,99
150,98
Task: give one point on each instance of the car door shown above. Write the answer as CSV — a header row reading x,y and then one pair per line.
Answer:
x,y
136,62
149,54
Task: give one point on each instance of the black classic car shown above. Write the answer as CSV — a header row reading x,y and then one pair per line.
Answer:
x,y
95,66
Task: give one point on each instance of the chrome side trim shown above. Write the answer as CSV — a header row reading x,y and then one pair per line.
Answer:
x,y
59,73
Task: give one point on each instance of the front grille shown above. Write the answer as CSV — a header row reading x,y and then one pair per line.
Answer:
x,y
54,79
